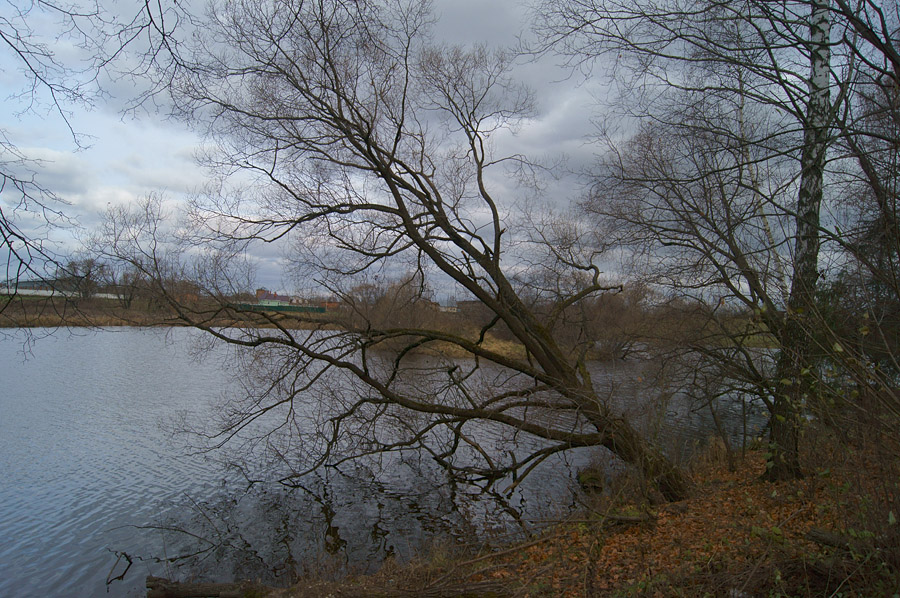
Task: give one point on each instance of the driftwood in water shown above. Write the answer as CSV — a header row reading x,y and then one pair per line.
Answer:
x,y
158,587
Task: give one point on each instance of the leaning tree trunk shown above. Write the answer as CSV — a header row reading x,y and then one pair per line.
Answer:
x,y
618,435
791,383
623,440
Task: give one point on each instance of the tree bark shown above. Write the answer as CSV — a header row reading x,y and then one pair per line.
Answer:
x,y
626,443
791,385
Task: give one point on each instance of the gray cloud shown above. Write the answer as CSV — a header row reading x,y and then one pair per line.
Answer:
x,y
494,23
129,158
64,172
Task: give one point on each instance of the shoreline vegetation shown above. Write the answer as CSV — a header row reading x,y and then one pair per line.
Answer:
x,y
736,535
52,312
46,312
629,331
736,220
832,532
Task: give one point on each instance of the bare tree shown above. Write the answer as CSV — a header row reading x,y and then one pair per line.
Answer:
x,y
863,292
124,281
81,277
102,45
372,151
721,67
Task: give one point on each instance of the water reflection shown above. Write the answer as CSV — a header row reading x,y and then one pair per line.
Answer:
x,y
88,472
337,523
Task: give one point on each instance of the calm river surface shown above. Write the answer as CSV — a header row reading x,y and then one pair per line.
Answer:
x,y
83,455
87,462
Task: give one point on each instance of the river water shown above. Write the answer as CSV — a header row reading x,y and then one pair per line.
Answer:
x,y
83,455
90,472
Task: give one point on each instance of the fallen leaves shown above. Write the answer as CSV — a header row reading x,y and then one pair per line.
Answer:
x,y
735,521
738,535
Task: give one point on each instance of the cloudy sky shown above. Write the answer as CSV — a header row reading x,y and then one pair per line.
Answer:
x,y
124,158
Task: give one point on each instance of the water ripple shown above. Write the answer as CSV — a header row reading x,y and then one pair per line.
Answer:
x,y
84,463
83,458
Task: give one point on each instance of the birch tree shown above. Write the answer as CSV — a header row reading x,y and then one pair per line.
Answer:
x,y
773,58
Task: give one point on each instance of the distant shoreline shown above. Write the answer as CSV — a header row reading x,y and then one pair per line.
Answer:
x,y
60,312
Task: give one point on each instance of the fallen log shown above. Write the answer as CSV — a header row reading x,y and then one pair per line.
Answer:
x,y
158,587
828,538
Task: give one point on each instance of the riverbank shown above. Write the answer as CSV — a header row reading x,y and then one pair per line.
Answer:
x,y
835,530
736,536
826,534
57,312
47,312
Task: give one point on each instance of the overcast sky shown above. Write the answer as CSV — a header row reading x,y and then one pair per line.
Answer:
x,y
125,158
